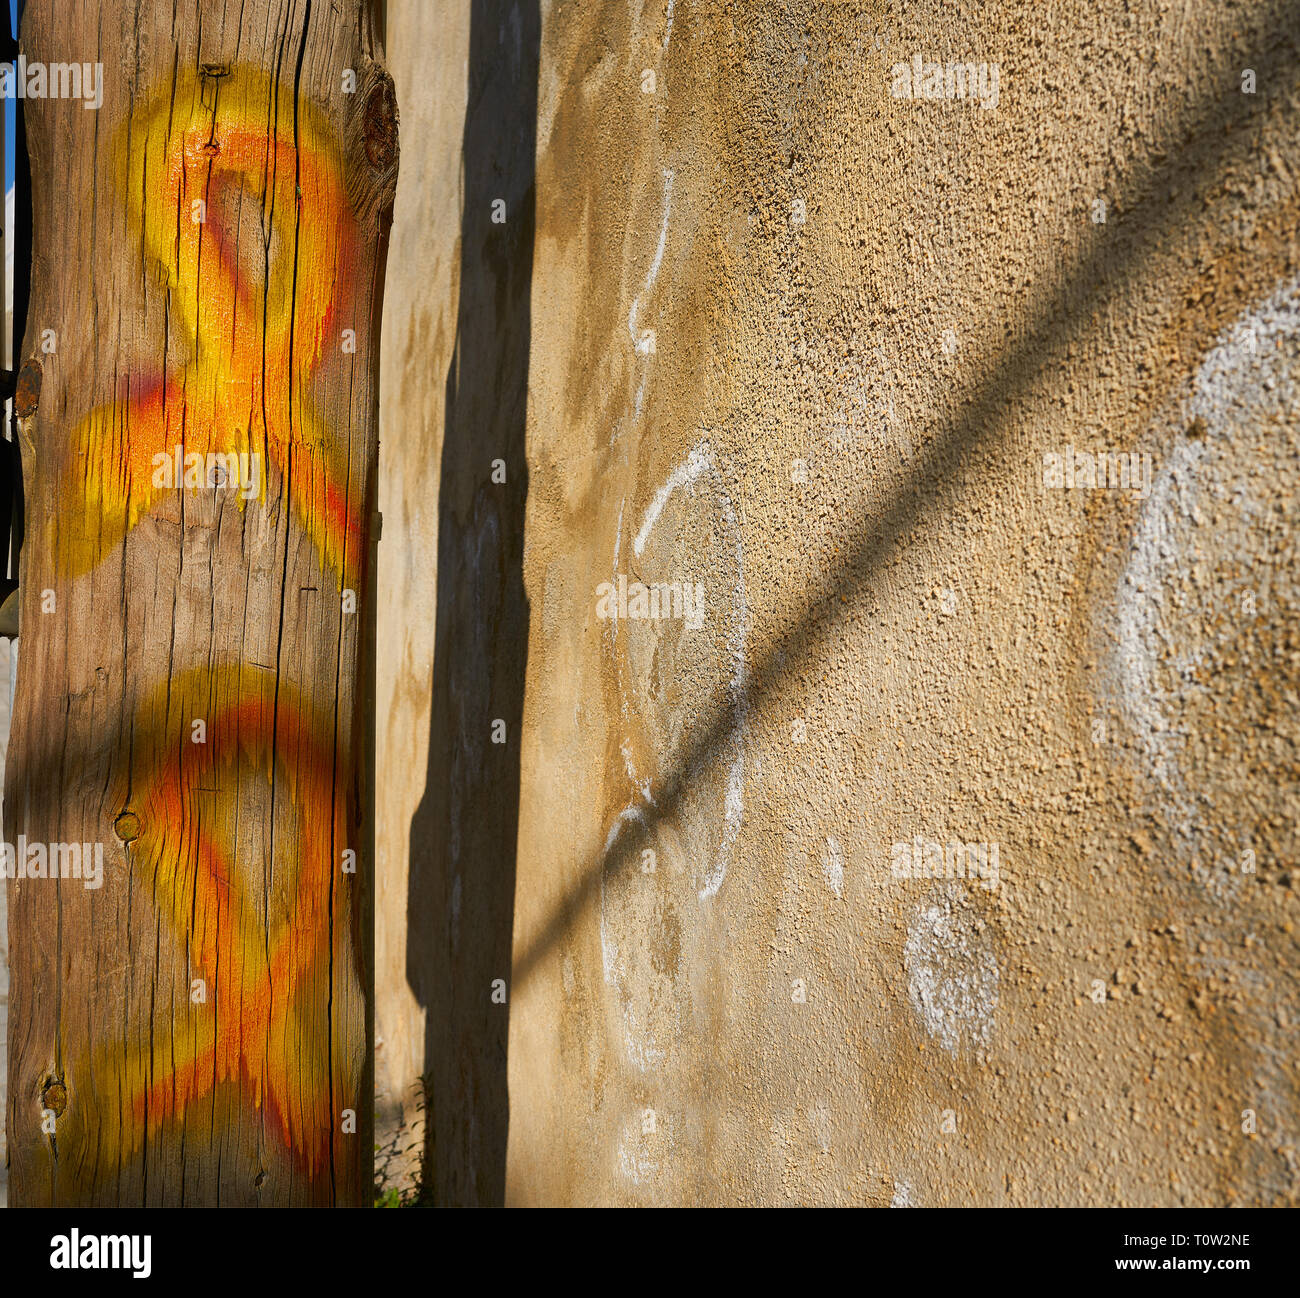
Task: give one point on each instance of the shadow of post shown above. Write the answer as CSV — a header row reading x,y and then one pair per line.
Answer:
x,y
460,902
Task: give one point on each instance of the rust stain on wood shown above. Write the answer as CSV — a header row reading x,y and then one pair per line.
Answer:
x,y
27,395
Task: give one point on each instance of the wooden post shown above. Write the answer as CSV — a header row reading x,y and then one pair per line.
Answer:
x,y
188,792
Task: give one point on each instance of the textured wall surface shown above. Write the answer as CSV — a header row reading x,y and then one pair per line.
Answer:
x,y
823,348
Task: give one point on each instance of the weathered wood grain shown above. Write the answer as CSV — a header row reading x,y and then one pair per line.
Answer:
x,y
197,654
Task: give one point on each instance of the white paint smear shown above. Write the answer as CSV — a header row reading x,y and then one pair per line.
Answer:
x,y
952,977
833,865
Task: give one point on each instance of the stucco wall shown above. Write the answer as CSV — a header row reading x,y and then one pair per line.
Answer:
x,y
873,318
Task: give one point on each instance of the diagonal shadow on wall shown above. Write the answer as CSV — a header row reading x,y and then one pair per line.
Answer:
x,y
1161,196
462,847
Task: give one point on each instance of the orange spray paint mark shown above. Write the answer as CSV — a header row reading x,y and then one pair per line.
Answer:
x,y
252,287
271,971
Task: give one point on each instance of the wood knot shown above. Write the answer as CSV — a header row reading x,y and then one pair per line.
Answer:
x,y
54,1096
27,394
214,69
380,127
127,826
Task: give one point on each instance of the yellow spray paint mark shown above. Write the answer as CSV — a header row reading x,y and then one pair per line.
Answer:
x,y
252,291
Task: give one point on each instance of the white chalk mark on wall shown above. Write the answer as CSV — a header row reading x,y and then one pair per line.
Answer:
x,y
700,463
686,474
638,899
658,257
1207,498
608,947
